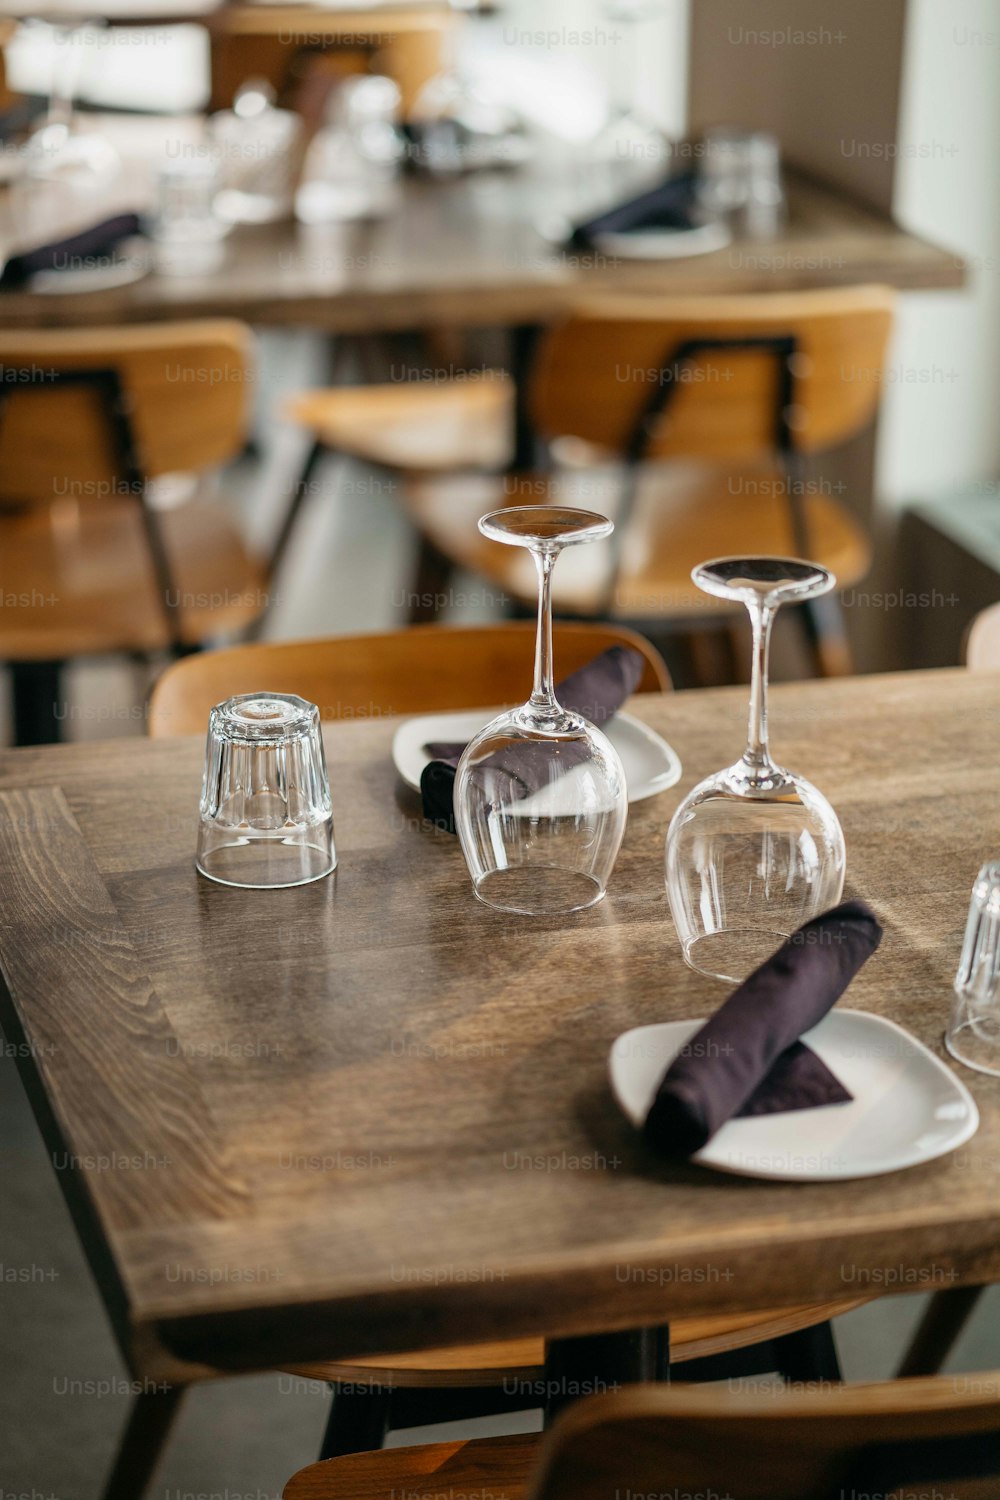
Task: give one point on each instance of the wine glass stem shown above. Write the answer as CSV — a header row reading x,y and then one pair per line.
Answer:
x,y
543,697
757,755
65,74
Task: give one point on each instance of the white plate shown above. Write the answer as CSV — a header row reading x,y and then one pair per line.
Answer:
x,y
908,1107
134,260
664,244
651,765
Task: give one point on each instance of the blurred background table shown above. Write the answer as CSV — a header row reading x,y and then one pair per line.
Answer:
x,y
470,252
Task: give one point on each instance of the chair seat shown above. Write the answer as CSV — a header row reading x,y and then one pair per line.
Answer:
x,y
83,580
498,1467
683,514
523,1359
415,425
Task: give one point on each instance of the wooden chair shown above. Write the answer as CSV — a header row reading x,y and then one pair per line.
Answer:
x,y
937,1437
982,641
88,419
755,383
409,44
425,669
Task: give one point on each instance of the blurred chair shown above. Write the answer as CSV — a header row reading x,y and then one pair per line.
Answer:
x,y
905,1437
649,389
425,669
98,559
982,641
409,44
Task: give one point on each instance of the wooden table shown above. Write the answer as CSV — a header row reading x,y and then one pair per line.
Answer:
x,y
469,253
371,1114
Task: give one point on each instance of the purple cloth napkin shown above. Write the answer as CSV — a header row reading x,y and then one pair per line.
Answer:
x,y
597,691
748,1059
669,205
100,240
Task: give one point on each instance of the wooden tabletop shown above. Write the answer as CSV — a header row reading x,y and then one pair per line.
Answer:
x,y
471,253
372,1114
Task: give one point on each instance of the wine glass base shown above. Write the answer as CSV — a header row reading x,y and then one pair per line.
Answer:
x,y
733,952
538,890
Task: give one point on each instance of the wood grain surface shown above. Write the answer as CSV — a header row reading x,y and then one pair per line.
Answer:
x,y
385,1107
470,254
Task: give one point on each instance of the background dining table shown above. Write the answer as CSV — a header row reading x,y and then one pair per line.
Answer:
x,y
481,250
370,1114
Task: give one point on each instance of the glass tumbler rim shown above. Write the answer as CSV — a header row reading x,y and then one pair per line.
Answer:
x,y
280,717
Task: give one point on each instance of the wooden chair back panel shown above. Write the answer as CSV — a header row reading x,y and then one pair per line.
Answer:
x,y
425,669
770,1445
597,372
187,392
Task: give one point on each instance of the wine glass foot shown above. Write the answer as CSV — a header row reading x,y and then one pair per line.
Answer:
x,y
733,952
538,890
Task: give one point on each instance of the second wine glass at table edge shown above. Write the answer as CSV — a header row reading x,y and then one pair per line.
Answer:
x,y
540,796
753,851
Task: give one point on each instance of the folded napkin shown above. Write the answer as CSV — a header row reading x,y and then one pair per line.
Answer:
x,y
597,691
98,242
670,205
748,1059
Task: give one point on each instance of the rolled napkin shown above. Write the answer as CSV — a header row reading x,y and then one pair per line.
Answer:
x,y
98,242
597,691
748,1059
670,205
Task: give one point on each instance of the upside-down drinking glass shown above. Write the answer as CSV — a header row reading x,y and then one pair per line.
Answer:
x,y
540,797
973,1035
266,818
753,851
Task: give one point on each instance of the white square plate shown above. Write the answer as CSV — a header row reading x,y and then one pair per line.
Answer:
x,y
908,1106
651,765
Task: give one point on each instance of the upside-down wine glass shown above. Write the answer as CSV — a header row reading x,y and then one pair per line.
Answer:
x,y
753,851
540,798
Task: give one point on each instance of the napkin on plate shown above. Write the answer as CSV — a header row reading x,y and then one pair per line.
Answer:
x,y
597,691
99,241
748,1059
670,205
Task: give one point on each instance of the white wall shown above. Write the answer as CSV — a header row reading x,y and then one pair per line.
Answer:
x,y
941,417
596,55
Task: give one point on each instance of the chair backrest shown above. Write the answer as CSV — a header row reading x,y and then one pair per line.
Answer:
x,y
185,389
982,641
926,1435
425,669
812,360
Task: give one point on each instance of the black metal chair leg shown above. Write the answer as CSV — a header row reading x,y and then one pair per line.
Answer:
x,y
358,1422
300,493
434,572
38,710
143,1442
938,1330
822,622
809,1357
594,1363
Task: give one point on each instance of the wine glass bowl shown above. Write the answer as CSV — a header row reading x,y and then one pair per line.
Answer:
x,y
754,850
540,797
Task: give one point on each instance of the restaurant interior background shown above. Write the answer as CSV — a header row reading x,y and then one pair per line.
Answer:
x,y
895,107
